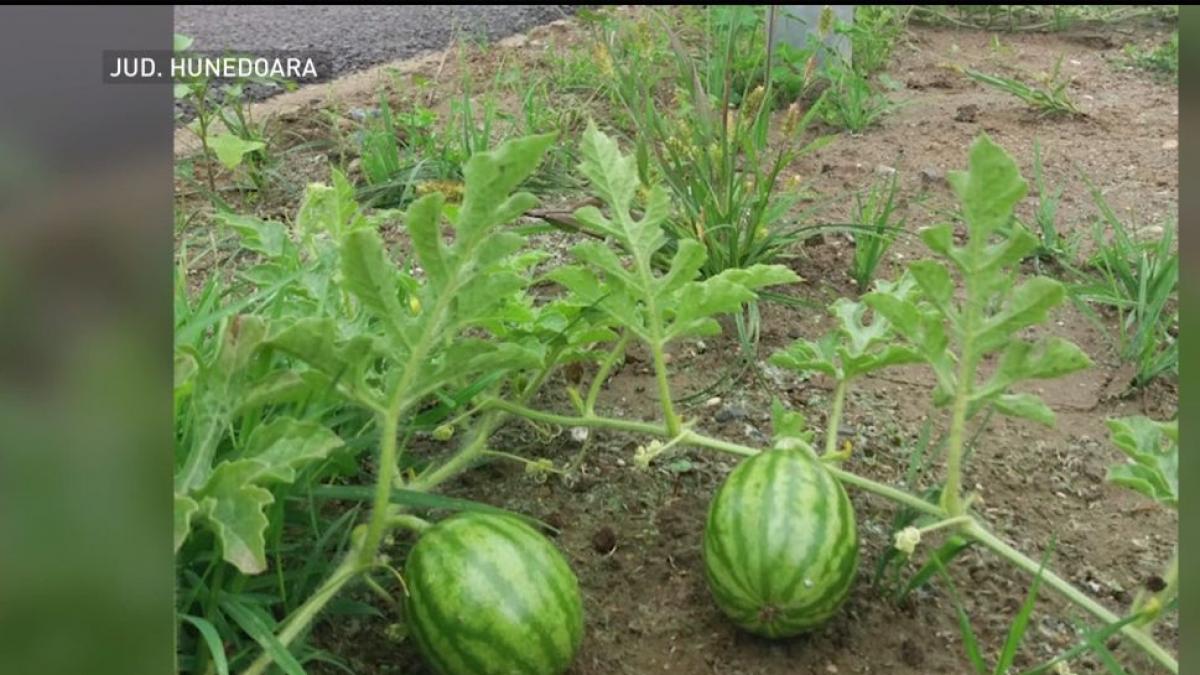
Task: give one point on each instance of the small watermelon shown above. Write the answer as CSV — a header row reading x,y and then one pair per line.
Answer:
x,y
780,547
489,595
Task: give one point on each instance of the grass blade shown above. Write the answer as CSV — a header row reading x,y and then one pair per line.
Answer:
x,y
1021,623
263,633
216,649
970,642
948,551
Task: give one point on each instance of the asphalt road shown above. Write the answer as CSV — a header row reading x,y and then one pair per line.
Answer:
x,y
357,36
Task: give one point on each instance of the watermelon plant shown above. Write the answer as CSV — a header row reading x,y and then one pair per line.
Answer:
x,y
780,546
453,344
488,594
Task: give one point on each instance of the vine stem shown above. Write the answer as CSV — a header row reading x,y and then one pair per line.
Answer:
x,y
977,531
346,571
835,419
971,526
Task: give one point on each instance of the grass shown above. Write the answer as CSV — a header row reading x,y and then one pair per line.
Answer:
x,y
1138,279
876,31
875,214
722,164
1052,244
1162,61
1048,98
851,103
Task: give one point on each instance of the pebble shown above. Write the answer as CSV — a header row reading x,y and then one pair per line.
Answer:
x,y
885,170
1170,144
730,413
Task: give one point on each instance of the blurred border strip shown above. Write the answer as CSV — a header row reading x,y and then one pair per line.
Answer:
x,y
86,568
1189,289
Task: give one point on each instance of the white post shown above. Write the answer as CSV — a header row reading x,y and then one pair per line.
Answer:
x,y
797,24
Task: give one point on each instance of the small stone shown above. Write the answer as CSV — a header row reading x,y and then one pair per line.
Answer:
x,y
1149,234
579,434
932,177
729,413
885,170
713,402
966,113
1170,144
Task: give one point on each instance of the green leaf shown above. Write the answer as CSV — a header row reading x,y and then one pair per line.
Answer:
x,y
372,278
1023,360
685,266
489,178
261,236
317,342
989,190
1153,451
759,276
940,240
185,508
612,176
1027,406
330,210
790,429
422,222
233,507
697,301
947,552
231,149
935,282
806,356
286,444
1028,306
181,42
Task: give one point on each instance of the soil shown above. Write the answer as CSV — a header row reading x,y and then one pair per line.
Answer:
x,y
633,537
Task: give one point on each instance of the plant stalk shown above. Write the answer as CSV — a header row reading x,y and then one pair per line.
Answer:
x,y
346,571
835,420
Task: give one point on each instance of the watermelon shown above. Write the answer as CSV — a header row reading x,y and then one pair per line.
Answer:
x,y
780,547
489,595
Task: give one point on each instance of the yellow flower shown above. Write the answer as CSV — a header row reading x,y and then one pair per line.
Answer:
x,y
414,304
907,540
452,190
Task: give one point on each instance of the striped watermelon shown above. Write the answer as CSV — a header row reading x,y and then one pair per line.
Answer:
x,y
780,548
489,595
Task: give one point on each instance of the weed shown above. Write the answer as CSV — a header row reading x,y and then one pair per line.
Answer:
x,y
874,212
1138,279
851,103
1162,61
244,142
721,163
1052,244
874,34
1048,98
